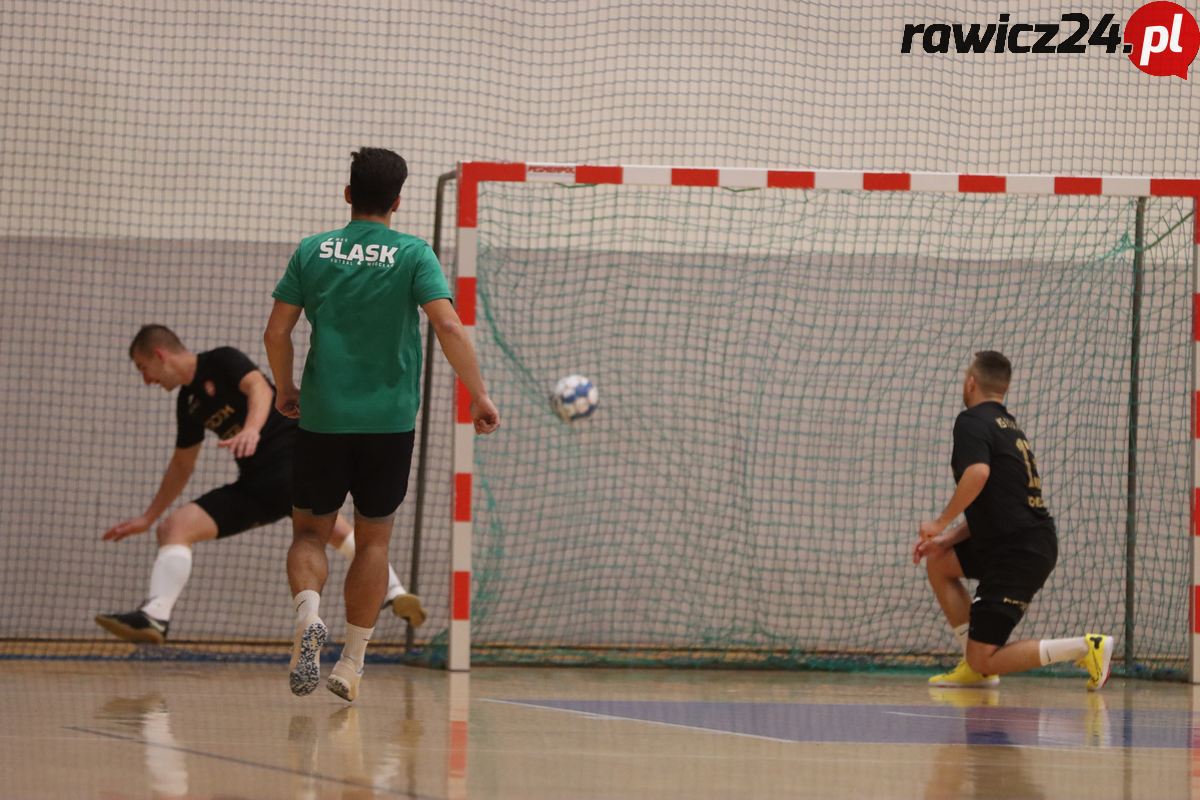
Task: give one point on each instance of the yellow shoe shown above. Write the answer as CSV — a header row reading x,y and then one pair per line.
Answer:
x,y
408,607
1098,660
964,676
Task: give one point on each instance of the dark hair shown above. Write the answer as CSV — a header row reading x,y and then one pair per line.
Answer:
x,y
152,336
992,370
376,178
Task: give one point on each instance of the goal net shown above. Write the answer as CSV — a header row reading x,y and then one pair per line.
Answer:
x,y
779,370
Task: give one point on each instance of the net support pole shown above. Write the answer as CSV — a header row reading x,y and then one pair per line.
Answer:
x,y
1194,665
1131,484
458,656
414,572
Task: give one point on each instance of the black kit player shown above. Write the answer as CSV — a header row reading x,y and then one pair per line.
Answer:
x,y
222,391
1008,542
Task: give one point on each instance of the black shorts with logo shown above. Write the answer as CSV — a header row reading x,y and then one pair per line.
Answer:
x,y
262,493
370,467
1009,576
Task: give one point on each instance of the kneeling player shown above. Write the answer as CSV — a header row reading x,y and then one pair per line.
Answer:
x,y
1008,543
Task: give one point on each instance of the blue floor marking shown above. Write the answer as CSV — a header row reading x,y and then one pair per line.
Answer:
x,y
906,724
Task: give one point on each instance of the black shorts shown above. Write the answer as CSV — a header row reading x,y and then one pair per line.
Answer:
x,y
1009,576
259,496
371,467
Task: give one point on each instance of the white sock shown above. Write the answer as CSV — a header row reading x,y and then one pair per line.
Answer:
x,y
395,589
307,603
1052,651
961,633
356,644
172,568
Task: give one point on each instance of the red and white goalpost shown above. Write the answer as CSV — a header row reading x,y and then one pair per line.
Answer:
x,y
472,174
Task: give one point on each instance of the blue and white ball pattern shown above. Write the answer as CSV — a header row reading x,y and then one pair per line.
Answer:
x,y
574,397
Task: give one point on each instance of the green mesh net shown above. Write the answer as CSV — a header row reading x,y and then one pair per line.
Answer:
x,y
779,372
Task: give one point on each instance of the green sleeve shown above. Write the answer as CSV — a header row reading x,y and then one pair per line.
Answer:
x,y
289,288
429,283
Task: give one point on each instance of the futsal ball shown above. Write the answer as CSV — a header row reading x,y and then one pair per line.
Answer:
x,y
574,397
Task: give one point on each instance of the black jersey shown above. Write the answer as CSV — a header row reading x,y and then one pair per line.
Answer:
x,y
213,401
1011,501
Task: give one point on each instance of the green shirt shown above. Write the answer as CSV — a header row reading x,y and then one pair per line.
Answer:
x,y
360,287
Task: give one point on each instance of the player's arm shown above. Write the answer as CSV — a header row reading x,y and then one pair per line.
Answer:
x,y
969,486
175,478
258,400
952,536
972,462
932,534
280,355
452,336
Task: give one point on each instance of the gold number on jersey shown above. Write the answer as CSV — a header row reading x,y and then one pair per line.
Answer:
x,y
1035,482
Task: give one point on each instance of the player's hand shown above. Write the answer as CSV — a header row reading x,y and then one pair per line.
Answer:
x,y
928,533
928,545
128,528
929,529
925,547
242,445
287,401
484,414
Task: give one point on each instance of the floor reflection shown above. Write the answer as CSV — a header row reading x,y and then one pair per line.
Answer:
x,y
147,718
384,766
327,753
120,731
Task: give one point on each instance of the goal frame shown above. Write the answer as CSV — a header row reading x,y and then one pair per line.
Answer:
x,y
471,174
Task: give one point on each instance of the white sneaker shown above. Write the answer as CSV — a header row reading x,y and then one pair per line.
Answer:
x,y
343,680
305,667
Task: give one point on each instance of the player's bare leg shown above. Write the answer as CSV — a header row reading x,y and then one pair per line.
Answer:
x,y
988,659
172,568
308,569
366,587
1091,651
946,578
404,604
366,581
307,564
